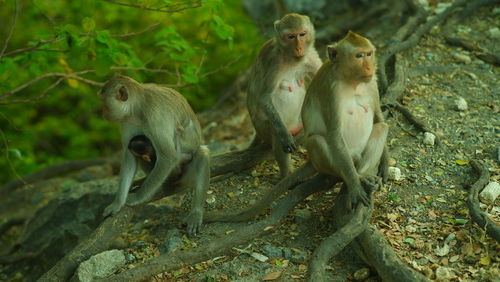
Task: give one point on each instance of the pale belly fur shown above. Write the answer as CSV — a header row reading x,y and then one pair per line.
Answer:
x,y
287,100
357,125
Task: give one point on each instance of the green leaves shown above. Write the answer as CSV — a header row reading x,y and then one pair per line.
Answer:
x,y
88,24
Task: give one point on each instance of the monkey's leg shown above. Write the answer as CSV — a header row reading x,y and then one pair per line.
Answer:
x,y
372,153
197,176
334,159
284,159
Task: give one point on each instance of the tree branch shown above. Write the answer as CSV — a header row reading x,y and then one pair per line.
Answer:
x,y
11,30
165,9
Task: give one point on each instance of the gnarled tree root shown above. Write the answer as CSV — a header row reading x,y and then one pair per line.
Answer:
x,y
97,242
478,216
370,245
293,179
224,244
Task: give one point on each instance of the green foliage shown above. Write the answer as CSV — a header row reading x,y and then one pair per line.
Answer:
x,y
44,127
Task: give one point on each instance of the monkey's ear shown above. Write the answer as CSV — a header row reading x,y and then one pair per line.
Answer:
x,y
277,26
122,94
331,52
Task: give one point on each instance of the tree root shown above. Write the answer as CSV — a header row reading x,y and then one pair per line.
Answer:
x,y
97,242
293,179
478,216
51,171
414,38
479,52
221,245
368,243
239,160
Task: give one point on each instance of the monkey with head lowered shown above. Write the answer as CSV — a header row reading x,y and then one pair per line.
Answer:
x,y
157,121
345,133
276,86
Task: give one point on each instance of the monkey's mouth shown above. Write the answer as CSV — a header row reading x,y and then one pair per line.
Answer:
x,y
367,78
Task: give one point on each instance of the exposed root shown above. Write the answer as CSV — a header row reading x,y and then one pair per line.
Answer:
x,y
478,216
97,242
293,179
221,245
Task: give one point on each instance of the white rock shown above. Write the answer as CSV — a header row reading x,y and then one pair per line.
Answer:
x,y
429,138
395,173
462,58
100,266
490,193
461,104
494,32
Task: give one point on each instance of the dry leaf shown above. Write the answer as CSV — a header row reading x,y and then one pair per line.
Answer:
x,y
268,228
272,276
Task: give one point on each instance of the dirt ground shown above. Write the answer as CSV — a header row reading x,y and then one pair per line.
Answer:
x,y
423,215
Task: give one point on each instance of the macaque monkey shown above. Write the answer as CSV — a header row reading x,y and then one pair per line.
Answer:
x,y
276,86
344,130
166,121
141,147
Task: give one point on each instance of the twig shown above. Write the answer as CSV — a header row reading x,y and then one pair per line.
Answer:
x,y
61,76
151,27
165,9
478,216
143,69
7,155
11,30
34,48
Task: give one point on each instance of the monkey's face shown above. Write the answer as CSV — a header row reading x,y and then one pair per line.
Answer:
x,y
364,63
297,42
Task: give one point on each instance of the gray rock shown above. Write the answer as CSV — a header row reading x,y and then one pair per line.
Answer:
x,y
299,256
99,266
287,253
170,245
302,215
272,251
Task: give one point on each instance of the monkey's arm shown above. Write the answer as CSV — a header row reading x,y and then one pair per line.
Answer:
x,y
314,64
277,126
383,167
127,172
167,160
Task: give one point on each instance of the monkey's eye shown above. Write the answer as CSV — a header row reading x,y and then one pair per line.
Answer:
x,y
291,36
360,55
302,34
369,54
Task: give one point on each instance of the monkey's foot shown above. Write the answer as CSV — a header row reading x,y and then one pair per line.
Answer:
x,y
111,209
370,183
193,222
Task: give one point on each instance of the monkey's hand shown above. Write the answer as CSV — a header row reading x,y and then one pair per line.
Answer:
x,y
113,208
288,142
357,195
370,183
193,221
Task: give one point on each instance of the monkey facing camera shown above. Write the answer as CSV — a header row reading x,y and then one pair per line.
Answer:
x,y
276,86
162,134
345,134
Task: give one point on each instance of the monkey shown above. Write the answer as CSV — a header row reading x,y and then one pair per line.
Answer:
x,y
181,161
344,130
141,147
276,86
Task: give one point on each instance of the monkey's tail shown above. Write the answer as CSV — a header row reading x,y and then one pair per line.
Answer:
x,y
297,177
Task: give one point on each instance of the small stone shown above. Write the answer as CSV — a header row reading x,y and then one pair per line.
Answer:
x,y
272,251
170,245
299,256
100,266
429,139
462,58
490,193
287,253
361,274
461,104
302,215
395,173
